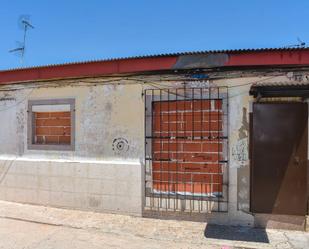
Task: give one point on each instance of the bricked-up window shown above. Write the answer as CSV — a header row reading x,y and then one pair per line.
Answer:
x,y
51,124
52,127
195,154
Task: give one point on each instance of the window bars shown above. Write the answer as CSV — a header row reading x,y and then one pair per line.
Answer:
x,y
186,149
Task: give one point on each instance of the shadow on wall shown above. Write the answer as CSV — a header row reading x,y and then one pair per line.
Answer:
x,y
239,233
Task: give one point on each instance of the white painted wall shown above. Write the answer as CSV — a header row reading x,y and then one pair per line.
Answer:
x,y
94,176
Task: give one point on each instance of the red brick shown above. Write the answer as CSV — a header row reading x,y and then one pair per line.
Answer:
x,y
212,147
60,114
169,117
181,105
53,122
187,125
218,104
189,105
184,167
64,139
51,139
188,116
161,186
212,134
42,114
187,187
188,157
196,147
192,156
64,131
42,131
39,139
212,116
190,177
168,146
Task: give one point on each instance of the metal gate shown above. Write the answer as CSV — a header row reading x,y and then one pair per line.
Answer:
x,y
186,149
279,158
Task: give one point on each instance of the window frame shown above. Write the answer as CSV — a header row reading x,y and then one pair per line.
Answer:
x,y
31,125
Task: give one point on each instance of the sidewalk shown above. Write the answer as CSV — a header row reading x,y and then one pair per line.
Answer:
x,y
27,226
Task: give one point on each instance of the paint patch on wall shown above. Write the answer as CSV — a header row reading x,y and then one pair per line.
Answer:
x,y
240,151
201,61
94,202
21,121
243,132
240,154
243,187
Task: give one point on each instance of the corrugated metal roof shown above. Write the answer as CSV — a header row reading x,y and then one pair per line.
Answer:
x,y
231,51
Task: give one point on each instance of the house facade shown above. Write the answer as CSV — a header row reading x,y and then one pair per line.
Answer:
x,y
218,136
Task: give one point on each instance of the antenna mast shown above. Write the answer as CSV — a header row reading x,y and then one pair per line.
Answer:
x,y
25,24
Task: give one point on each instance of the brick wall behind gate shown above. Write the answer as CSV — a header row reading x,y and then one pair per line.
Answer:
x,y
186,148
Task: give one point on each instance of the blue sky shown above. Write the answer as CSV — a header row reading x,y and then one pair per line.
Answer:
x,y
67,30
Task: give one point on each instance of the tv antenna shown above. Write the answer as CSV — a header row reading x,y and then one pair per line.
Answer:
x,y
24,24
301,44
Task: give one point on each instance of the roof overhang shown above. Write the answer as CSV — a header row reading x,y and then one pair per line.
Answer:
x,y
183,61
285,90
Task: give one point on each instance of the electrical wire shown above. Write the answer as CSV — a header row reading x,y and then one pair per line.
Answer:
x,y
258,81
86,82
157,85
18,103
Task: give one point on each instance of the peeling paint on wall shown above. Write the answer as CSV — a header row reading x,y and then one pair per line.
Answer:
x,y
243,132
239,141
241,148
240,151
241,154
95,115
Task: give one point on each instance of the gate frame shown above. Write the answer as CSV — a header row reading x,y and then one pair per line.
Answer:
x,y
172,94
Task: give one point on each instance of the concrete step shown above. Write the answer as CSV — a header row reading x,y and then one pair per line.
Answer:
x,y
276,221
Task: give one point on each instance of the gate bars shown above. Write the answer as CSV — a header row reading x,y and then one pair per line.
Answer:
x,y
186,149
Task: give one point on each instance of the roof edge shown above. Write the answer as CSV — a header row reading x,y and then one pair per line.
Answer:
x,y
176,61
201,52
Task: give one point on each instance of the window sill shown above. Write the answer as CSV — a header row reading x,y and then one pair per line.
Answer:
x,y
59,147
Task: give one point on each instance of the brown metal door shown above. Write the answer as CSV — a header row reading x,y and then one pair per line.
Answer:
x,y
279,158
